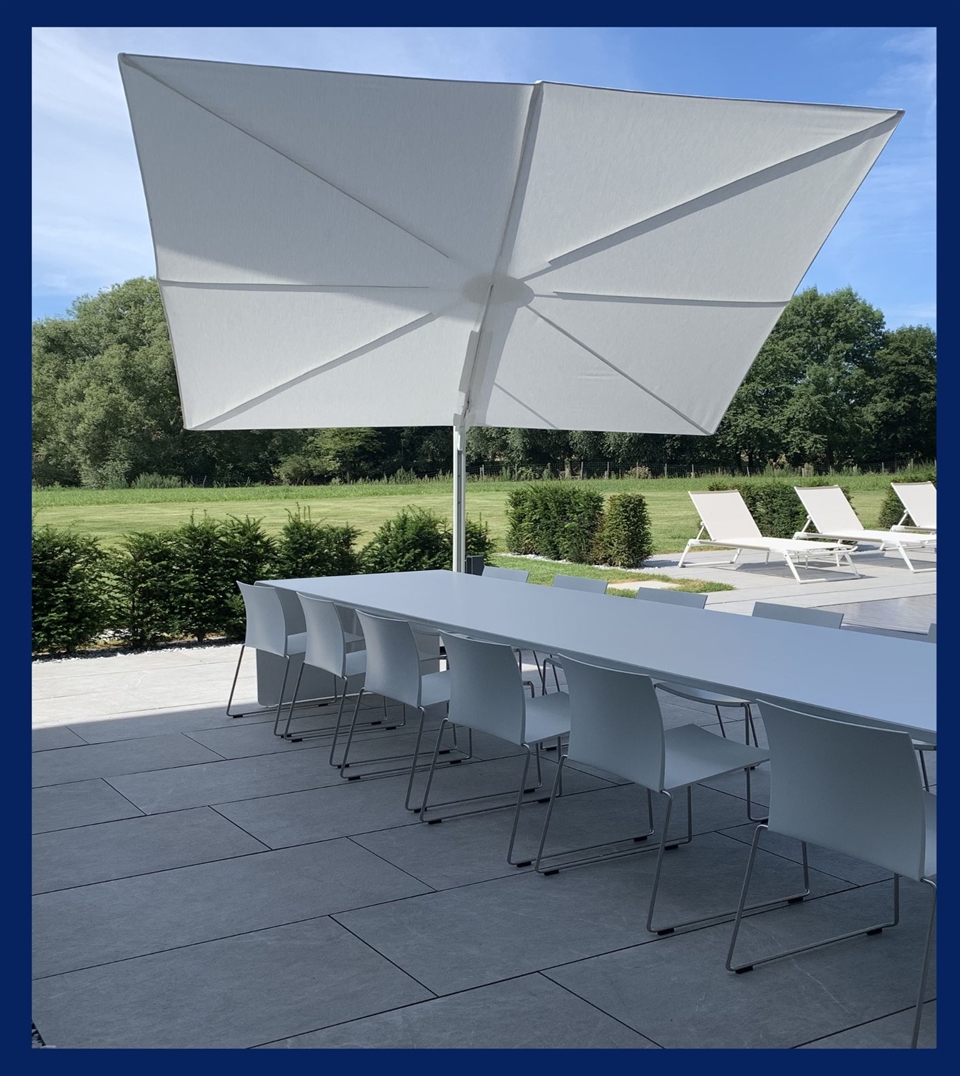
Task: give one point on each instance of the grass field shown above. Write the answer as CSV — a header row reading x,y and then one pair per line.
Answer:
x,y
109,514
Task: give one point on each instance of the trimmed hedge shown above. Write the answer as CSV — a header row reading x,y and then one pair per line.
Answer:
x,y
72,598
625,540
558,521
169,584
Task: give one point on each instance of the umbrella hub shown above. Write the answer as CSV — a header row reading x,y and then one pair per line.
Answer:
x,y
497,289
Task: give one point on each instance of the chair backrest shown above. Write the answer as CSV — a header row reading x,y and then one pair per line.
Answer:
x,y
393,660
920,500
853,788
672,597
725,514
932,633
829,509
615,722
580,582
326,645
292,610
486,688
266,624
823,618
515,575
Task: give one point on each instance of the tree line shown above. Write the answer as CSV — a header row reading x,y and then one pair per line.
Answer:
x,y
831,388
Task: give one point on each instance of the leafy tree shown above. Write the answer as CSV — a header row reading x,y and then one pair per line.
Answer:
x,y
901,413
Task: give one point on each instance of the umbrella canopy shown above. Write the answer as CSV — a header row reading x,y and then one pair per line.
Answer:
x,y
362,250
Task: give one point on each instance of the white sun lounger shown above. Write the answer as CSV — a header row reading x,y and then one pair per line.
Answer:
x,y
919,500
727,521
831,515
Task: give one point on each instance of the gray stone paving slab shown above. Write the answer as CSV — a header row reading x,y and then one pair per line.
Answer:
x,y
221,782
98,924
680,995
528,922
889,1032
320,814
530,1013
822,859
162,722
295,978
463,851
112,759
52,738
80,803
134,846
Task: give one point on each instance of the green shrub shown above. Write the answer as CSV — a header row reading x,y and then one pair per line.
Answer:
x,y
150,588
556,520
156,481
625,540
71,590
477,540
307,549
891,507
249,554
419,540
414,540
205,581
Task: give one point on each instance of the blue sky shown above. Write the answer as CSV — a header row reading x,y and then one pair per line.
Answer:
x,y
90,227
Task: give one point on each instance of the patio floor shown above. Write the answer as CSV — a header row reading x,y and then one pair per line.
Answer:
x,y
201,883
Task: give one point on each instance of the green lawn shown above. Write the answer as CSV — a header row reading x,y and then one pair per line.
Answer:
x,y
108,514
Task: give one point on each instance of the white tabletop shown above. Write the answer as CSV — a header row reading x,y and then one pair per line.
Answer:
x,y
874,678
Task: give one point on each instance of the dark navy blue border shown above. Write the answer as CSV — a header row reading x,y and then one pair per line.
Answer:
x,y
15,1009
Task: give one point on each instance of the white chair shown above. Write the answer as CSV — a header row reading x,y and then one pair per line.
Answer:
x,y
566,582
327,649
726,519
267,630
514,575
932,633
580,582
616,725
856,790
393,670
486,694
822,618
919,500
695,694
831,515
672,597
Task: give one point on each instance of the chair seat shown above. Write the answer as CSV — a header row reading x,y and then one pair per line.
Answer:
x,y
693,754
297,644
547,717
699,694
355,662
435,688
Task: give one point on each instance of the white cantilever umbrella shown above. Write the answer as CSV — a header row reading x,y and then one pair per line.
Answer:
x,y
361,250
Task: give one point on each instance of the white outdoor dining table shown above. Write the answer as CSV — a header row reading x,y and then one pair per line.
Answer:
x,y
873,678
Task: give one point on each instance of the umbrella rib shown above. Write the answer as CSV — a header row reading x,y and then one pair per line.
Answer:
x,y
657,300
207,285
525,406
286,156
616,369
341,360
507,239
715,196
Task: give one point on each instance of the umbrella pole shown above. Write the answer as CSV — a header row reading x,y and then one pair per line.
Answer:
x,y
459,497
